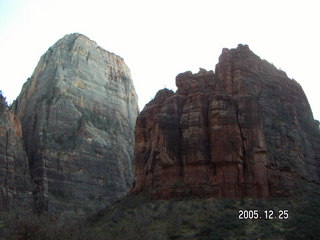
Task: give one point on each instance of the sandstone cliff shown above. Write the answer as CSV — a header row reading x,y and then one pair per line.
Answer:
x,y
246,130
15,179
78,113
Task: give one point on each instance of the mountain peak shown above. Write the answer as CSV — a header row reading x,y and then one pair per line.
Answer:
x,y
246,130
241,53
78,113
74,36
240,48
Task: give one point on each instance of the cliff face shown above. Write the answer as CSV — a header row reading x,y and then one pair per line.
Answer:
x,y
246,130
78,113
15,179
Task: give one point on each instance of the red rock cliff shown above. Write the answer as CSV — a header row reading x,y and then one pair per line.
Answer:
x,y
246,130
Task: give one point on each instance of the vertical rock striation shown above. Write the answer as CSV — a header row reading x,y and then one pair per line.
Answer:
x,y
78,113
246,130
16,190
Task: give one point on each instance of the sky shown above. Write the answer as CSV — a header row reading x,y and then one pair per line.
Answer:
x,y
160,39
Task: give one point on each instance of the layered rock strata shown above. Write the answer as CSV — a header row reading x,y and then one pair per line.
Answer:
x,y
15,188
246,130
78,113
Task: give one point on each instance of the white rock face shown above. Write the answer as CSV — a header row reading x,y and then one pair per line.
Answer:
x,y
78,112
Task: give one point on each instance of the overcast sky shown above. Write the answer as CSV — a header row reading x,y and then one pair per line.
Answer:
x,y
159,39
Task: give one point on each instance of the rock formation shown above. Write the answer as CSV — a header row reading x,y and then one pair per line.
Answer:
x,y
15,179
246,130
78,113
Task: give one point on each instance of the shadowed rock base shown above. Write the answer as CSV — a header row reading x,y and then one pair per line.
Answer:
x,y
15,181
